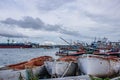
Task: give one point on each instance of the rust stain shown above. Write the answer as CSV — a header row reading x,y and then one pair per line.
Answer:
x,y
113,58
39,61
68,58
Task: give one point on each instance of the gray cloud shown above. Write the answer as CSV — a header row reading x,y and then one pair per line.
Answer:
x,y
37,24
92,18
104,14
48,5
105,24
16,35
6,3
27,22
103,19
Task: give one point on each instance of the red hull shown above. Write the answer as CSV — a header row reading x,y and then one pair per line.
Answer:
x,y
25,46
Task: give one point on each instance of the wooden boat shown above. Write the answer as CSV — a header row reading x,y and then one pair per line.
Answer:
x,y
15,71
107,52
61,67
99,66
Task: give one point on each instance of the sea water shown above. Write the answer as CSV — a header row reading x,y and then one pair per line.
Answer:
x,y
16,55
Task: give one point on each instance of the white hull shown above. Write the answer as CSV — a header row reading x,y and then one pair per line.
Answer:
x,y
10,74
60,68
98,66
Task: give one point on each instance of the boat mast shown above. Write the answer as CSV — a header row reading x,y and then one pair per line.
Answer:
x,y
8,40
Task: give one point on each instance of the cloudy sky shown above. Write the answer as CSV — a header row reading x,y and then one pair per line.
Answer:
x,y
47,20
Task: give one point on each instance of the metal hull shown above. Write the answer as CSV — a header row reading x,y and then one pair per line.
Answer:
x,y
35,66
98,66
16,46
60,68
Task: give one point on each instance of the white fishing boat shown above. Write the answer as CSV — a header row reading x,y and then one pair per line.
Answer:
x,y
99,66
61,68
22,71
10,74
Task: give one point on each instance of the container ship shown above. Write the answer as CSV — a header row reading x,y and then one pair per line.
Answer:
x,y
15,45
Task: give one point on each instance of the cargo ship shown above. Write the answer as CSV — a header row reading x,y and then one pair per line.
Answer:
x,y
15,45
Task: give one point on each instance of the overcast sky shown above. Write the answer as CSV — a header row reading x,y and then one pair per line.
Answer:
x,y
47,20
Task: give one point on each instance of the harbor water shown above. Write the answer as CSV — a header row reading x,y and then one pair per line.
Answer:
x,y
16,55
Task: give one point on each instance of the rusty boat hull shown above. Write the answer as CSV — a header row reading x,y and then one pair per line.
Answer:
x,y
98,66
15,71
60,68
10,74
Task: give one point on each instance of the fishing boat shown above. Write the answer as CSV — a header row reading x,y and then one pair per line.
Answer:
x,y
20,70
61,67
108,52
72,52
10,74
100,66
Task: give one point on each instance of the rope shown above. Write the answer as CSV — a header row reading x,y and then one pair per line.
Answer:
x,y
66,70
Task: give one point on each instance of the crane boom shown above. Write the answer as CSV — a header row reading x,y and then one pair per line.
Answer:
x,y
65,40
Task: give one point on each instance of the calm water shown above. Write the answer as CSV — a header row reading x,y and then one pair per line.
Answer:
x,y
11,56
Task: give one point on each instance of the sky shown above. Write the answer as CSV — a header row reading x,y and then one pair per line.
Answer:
x,y
47,20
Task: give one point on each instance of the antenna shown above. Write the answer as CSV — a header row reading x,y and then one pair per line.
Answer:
x,y
95,39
